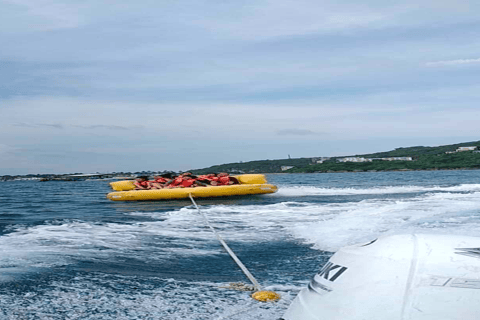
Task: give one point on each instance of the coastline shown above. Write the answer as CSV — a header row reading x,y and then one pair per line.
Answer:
x,y
66,177
393,170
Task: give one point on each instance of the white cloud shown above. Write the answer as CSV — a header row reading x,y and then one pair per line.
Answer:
x,y
453,62
39,15
433,112
266,19
7,149
295,132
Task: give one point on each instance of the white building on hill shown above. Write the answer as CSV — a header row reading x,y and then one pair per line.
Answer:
x,y
360,159
460,149
354,159
321,160
396,159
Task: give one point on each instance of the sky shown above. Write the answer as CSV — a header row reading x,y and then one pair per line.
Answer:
x,y
123,86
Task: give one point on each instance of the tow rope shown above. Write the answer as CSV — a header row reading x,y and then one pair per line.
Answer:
x,y
259,294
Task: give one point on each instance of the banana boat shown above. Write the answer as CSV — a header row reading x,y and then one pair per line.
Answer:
x,y
249,184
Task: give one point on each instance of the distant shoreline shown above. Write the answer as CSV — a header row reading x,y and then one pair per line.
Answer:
x,y
393,170
374,171
61,177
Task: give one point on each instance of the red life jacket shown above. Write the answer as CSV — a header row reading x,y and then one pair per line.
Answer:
x,y
225,181
176,182
188,183
209,177
142,183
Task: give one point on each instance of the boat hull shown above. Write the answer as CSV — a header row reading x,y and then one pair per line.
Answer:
x,y
397,277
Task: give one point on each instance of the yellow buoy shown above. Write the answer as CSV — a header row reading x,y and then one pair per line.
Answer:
x,y
266,296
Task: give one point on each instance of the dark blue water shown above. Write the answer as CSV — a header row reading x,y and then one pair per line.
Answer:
x,y
66,252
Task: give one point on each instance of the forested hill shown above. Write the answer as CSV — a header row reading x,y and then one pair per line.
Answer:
x,y
420,150
260,166
425,158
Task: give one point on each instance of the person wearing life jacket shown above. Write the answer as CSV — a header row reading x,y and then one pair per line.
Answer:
x,y
158,182
213,179
192,181
223,179
175,182
182,181
161,180
141,183
186,180
168,184
205,179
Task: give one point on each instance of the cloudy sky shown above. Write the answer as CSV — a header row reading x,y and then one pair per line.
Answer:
x,y
106,86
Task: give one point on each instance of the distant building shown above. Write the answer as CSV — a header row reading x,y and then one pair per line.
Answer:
x,y
321,160
460,149
360,159
354,159
396,159
285,168
393,159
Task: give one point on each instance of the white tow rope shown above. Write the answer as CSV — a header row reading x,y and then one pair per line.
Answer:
x,y
230,252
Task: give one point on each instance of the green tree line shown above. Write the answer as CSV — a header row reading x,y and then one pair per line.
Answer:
x,y
466,159
425,158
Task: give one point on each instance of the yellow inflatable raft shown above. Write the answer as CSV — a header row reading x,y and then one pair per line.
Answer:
x,y
249,184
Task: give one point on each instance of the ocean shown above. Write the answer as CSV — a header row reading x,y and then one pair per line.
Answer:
x,y
66,252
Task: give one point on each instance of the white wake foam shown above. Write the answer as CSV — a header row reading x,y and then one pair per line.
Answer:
x,y
298,191
326,226
334,225
59,243
445,213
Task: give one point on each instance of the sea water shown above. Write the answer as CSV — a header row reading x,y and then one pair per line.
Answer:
x,y
66,252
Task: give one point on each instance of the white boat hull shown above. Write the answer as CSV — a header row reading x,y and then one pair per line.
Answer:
x,y
402,277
